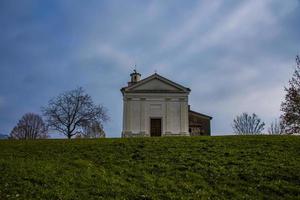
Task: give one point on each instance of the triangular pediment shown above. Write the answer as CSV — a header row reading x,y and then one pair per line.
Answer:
x,y
157,83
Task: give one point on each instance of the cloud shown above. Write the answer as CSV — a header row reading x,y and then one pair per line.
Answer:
x,y
235,56
246,89
2,103
192,26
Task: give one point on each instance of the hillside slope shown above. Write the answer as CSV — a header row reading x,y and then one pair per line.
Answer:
x,y
152,168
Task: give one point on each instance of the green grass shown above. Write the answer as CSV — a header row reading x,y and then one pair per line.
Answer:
x,y
232,167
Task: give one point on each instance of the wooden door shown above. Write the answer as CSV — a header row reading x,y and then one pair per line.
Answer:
x,y
155,127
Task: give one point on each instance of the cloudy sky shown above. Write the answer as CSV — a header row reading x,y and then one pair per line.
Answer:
x,y
236,56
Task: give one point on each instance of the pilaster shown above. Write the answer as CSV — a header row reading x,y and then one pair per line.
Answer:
x,y
183,116
142,116
128,114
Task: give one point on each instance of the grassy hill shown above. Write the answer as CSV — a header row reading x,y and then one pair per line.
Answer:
x,y
229,167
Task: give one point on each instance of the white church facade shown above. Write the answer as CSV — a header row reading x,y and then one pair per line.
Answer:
x,y
155,106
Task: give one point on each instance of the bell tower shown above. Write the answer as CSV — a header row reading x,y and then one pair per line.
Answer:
x,y
135,77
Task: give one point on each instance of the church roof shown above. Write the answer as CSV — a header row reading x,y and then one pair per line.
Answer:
x,y
138,87
199,114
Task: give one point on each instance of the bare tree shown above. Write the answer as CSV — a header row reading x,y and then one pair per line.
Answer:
x,y
276,128
92,130
246,124
71,110
30,126
291,106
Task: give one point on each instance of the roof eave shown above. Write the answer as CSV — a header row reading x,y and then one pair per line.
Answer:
x,y
203,115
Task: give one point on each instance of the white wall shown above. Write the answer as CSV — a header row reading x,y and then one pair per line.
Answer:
x,y
140,108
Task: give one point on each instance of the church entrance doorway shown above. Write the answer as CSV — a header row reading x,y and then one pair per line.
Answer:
x,y
155,127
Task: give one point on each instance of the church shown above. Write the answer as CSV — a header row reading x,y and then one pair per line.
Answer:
x,y
156,106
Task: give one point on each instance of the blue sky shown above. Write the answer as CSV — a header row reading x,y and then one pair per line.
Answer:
x,y
236,56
